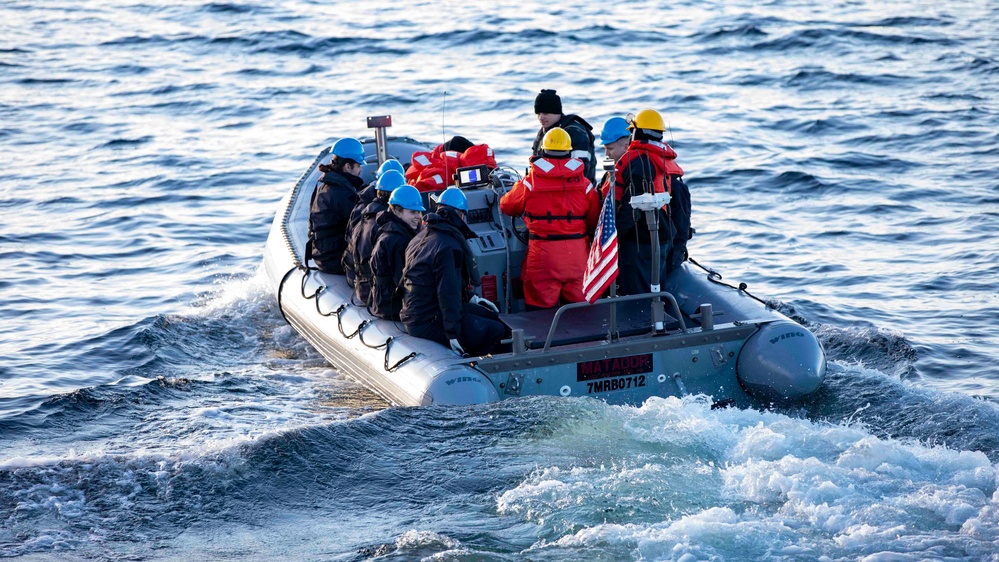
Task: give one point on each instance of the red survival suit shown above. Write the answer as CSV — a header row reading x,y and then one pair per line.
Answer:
x,y
434,171
560,207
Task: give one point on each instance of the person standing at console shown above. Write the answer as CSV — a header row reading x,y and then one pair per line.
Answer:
x,y
548,108
560,207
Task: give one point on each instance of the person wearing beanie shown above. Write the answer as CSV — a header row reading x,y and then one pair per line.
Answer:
x,y
648,165
560,207
548,108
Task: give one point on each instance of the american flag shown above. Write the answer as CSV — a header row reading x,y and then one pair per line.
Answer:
x,y
601,266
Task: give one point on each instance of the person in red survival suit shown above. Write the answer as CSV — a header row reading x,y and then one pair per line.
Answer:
x,y
649,165
560,207
434,171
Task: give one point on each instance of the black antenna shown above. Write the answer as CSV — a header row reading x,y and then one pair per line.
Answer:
x,y
443,106
444,140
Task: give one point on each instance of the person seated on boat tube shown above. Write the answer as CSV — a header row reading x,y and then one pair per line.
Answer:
x,y
436,303
548,108
560,207
434,170
648,165
396,228
365,233
365,197
331,204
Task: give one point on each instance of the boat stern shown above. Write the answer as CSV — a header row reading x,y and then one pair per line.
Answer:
x,y
460,386
783,361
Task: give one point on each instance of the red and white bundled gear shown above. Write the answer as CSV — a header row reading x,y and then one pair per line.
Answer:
x,y
434,171
560,207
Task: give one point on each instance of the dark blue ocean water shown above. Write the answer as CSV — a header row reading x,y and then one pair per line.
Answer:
x,y
843,162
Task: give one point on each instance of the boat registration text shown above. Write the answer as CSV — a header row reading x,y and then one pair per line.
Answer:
x,y
622,383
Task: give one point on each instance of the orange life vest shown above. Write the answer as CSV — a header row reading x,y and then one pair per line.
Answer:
x,y
556,199
663,159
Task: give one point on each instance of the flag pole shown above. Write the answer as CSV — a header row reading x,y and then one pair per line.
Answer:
x,y
611,181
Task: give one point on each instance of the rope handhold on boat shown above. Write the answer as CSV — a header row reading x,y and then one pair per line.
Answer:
x,y
716,278
360,336
280,289
388,348
305,279
339,323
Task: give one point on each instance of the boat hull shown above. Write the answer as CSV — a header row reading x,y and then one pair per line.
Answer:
x,y
743,354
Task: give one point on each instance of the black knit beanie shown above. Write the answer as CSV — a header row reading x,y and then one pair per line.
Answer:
x,y
548,102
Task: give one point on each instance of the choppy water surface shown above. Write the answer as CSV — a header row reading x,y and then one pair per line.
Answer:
x,y
154,406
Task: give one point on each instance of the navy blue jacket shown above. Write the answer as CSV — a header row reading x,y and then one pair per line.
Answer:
x,y
365,196
437,274
387,262
329,211
363,242
679,207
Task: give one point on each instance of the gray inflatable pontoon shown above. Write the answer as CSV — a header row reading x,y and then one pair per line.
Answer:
x,y
716,340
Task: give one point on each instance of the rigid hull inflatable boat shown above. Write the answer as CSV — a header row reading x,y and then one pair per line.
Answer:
x,y
715,340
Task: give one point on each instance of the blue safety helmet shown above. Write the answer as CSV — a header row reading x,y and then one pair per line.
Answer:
x,y
390,180
390,164
407,197
453,197
614,129
349,148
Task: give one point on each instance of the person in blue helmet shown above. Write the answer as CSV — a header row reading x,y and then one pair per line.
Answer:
x,y
615,136
436,303
365,197
396,228
365,233
331,205
548,108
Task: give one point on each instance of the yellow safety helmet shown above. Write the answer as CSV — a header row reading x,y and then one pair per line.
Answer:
x,y
648,119
557,140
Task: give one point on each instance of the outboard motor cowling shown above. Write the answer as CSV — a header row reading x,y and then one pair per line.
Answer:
x,y
781,362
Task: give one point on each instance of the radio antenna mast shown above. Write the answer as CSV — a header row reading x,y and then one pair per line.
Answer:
x,y
444,140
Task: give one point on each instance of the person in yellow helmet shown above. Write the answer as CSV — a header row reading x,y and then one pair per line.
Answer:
x,y
548,108
560,206
649,166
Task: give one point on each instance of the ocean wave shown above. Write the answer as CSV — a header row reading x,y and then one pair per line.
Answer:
x,y
742,484
838,39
